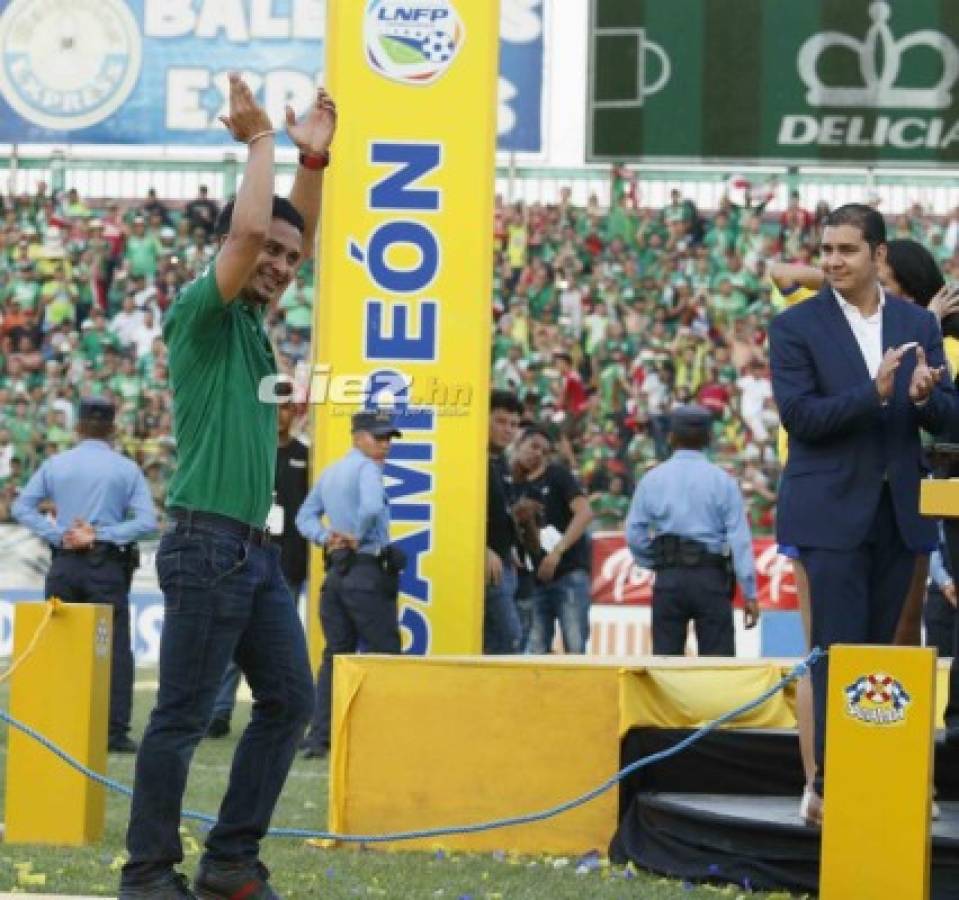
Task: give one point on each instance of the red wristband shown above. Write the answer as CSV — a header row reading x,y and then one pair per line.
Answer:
x,y
315,162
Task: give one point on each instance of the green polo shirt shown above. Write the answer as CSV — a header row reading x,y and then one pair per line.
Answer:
x,y
226,438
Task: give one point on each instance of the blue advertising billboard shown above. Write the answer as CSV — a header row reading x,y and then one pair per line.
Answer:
x,y
155,71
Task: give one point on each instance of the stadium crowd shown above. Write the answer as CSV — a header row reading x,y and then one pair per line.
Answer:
x,y
604,320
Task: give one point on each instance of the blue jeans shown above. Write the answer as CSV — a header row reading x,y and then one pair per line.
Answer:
x,y
223,599
502,631
225,701
565,600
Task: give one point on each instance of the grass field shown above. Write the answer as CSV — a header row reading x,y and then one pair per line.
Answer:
x,y
302,871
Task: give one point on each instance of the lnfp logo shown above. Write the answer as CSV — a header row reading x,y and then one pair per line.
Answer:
x,y
413,43
877,699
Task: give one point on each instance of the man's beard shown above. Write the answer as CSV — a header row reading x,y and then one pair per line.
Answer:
x,y
255,298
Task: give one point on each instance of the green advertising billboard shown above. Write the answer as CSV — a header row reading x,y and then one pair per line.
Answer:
x,y
774,80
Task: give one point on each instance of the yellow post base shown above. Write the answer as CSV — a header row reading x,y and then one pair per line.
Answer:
x,y
314,630
879,749
62,691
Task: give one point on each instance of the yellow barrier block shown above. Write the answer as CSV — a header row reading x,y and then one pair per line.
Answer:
x,y
425,742
879,751
939,497
62,691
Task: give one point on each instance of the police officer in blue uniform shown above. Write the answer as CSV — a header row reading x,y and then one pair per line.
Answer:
x,y
358,600
103,506
687,521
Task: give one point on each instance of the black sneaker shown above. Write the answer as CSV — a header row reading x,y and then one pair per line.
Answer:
x,y
122,744
216,880
169,886
316,751
219,727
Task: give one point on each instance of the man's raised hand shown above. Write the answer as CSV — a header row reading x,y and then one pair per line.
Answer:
x,y
247,119
314,132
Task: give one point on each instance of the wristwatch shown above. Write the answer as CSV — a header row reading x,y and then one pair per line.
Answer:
x,y
315,162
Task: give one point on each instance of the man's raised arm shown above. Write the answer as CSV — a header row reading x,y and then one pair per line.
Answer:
x,y
253,208
312,136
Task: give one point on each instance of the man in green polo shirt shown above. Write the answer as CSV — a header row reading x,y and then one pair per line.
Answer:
x,y
224,593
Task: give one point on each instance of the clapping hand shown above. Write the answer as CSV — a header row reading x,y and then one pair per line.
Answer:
x,y
924,378
247,118
313,134
886,376
946,302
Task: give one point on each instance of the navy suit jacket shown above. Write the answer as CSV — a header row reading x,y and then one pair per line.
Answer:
x,y
843,442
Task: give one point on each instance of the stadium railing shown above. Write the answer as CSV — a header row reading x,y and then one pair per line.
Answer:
x,y
124,175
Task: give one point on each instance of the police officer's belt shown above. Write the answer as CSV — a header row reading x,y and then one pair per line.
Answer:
x,y
375,558
105,548
189,518
391,559
670,551
332,558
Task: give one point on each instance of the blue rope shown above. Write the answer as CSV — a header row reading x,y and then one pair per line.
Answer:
x,y
795,674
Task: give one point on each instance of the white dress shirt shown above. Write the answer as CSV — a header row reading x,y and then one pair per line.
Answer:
x,y
866,329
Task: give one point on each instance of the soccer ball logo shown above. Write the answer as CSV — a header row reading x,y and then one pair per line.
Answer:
x,y
413,43
438,47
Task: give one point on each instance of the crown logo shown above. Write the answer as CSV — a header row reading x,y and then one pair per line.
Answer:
x,y
880,47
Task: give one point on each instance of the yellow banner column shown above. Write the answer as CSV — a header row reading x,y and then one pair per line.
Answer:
x,y
879,751
62,690
404,306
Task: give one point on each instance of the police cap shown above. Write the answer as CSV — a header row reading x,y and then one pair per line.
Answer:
x,y
379,424
96,409
690,421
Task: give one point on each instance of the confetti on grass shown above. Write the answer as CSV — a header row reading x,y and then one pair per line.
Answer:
x,y
26,877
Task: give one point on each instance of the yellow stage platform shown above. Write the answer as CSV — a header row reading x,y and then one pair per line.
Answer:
x,y
423,742
939,497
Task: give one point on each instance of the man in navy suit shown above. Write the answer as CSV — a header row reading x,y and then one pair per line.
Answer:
x,y
856,374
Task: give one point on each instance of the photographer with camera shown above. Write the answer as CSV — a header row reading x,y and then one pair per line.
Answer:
x,y
358,600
